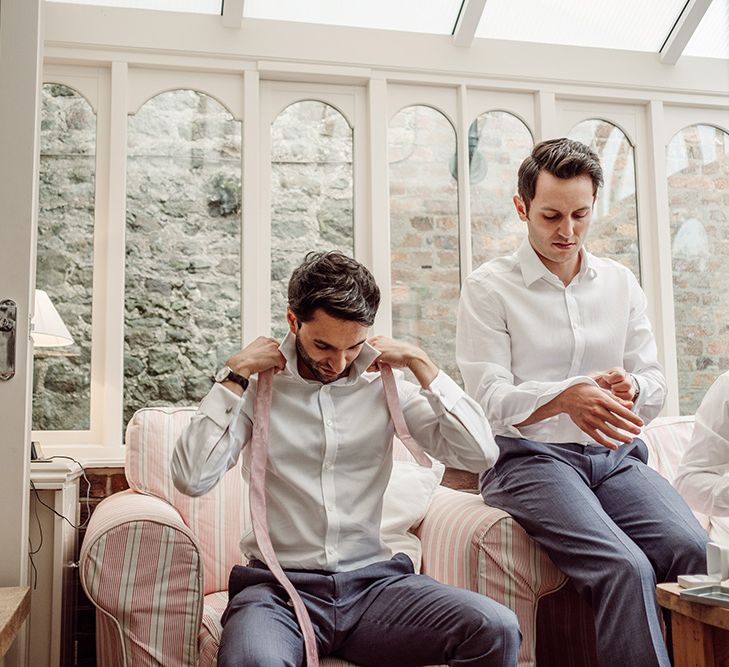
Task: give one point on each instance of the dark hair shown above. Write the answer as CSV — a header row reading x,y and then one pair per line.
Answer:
x,y
337,284
563,158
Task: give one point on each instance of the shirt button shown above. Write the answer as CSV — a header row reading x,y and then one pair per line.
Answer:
x,y
328,465
329,422
330,550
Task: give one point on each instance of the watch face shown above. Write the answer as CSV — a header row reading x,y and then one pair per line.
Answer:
x,y
222,374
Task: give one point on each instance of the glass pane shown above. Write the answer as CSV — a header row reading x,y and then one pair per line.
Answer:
x,y
698,173
614,229
433,16
183,244
620,24
424,232
64,269
193,6
498,143
711,39
311,193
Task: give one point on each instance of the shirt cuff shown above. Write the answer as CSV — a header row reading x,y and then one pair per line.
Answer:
x,y
445,390
221,405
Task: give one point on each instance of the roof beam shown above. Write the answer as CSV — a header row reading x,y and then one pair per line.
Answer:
x,y
683,30
233,13
468,20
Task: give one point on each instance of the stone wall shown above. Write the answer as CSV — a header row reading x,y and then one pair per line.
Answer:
x,y
182,280
311,193
62,376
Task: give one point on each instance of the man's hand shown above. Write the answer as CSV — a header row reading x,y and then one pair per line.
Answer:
x,y
260,355
617,381
599,414
399,355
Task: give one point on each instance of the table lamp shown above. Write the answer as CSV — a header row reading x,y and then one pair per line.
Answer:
x,y
48,327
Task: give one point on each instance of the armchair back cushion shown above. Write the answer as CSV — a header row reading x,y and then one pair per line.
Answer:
x,y
217,519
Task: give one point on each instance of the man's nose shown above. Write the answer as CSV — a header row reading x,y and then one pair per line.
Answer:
x,y
339,362
567,228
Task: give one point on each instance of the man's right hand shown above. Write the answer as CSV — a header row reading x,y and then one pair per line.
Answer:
x,y
260,355
600,414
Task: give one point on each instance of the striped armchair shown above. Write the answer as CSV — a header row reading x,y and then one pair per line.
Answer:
x,y
155,563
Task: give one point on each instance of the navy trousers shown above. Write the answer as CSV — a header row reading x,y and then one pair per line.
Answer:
x,y
381,615
610,523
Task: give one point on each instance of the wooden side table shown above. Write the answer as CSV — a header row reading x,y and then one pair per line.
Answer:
x,y
14,608
700,631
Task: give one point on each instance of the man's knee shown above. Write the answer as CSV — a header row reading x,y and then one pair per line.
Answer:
x,y
690,554
490,624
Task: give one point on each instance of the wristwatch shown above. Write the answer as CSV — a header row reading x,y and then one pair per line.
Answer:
x,y
227,373
636,387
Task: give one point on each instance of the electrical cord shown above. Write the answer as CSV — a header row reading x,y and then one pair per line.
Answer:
x,y
34,550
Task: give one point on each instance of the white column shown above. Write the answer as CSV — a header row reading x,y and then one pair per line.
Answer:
x,y
113,294
380,198
654,230
464,185
256,231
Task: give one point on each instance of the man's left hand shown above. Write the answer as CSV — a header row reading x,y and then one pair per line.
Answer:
x,y
617,381
399,354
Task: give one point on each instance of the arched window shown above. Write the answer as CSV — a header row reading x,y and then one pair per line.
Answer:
x,y
183,244
62,376
498,142
614,229
424,232
311,193
698,195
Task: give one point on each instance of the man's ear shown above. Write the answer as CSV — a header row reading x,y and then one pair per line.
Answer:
x,y
291,319
520,206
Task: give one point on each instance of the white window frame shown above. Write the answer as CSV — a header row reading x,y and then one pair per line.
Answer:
x,y
135,53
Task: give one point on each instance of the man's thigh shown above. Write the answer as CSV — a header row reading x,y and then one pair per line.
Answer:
x,y
555,504
416,620
260,628
649,510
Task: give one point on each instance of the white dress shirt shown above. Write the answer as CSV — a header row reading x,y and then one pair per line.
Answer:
x,y
329,455
702,476
523,338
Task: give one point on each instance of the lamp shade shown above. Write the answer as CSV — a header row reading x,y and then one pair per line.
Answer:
x,y
48,327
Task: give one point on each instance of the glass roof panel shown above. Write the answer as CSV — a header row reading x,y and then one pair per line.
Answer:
x,y
432,16
618,24
193,6
711,39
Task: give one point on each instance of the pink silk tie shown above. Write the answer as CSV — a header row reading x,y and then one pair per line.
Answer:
x,y
257,487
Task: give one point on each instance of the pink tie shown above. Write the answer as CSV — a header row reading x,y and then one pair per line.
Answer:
x,y
259,454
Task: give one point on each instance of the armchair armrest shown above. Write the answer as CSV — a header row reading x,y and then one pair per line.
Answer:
x,y
468,544
141,567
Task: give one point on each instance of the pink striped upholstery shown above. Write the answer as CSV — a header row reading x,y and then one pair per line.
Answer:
x,y
156,562
485,550
141,566
218,518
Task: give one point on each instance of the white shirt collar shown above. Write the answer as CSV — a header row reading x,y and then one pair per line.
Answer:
x,y
532,267
363,361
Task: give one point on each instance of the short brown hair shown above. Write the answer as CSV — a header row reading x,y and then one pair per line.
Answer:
x,y
563,158
337,284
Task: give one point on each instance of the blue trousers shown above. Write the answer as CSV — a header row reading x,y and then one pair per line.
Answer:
x,y
610,523
381,615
